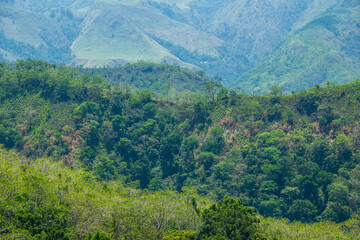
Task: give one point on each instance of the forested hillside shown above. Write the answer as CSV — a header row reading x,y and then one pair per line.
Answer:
x,y
160,78
43,199
315,53
248,44
294,156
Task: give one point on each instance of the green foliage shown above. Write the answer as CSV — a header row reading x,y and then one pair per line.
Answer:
x,y
283,229
10,137
42,199
161,78
302,210
228,219
275,91
181,235
216,142
99,236
207,159
287,156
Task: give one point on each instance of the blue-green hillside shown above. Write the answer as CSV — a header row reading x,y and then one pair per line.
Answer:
x,y
248,44
321,51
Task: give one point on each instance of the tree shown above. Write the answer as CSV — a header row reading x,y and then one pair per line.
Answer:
x,y
308,103
338,193
276,91
149,110
206,159
319,150
211,89
302,210
230,219
216,142
335,212
10,137
181,235
223,93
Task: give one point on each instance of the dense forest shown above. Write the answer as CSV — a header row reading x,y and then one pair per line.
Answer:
x,y
43,199
288,156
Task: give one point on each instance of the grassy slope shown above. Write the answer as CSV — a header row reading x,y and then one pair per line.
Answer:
x,y
283,229
109,36
324,50
25,34
128,33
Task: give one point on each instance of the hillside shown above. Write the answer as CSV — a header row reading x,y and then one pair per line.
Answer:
x,y
160,78
247,44
41,199
293,156
316,53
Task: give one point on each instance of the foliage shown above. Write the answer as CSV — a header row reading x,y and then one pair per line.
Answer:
x,y
295,156
41,199
283,229
228,219
161,78
312,56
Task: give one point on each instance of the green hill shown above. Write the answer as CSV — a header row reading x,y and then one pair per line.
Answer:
x,y
248,44
317,53
43,199
160,78
294,156
25,34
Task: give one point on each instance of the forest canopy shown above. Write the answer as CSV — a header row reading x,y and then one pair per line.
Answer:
x,y
288,156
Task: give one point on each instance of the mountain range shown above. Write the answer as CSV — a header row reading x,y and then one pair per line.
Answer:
x,y
249,44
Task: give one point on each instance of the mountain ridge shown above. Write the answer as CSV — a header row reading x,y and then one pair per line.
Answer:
x,y
230,39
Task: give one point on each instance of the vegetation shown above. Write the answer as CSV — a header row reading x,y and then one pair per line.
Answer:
x,y
288,156
229,219
41,199
278,43
161,78
283,229
311,56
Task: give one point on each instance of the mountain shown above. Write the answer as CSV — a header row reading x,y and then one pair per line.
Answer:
x,y
249,44
323,50
294,156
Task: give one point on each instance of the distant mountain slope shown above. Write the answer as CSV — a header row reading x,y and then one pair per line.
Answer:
x,y
226,38
160,78
27,34
323,50
127,35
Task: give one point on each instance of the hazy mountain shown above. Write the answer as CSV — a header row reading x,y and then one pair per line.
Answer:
x,y
251,44
325,49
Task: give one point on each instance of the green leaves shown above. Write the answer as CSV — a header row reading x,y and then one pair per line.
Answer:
x,y
268,151
228,219
46,200
302,210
